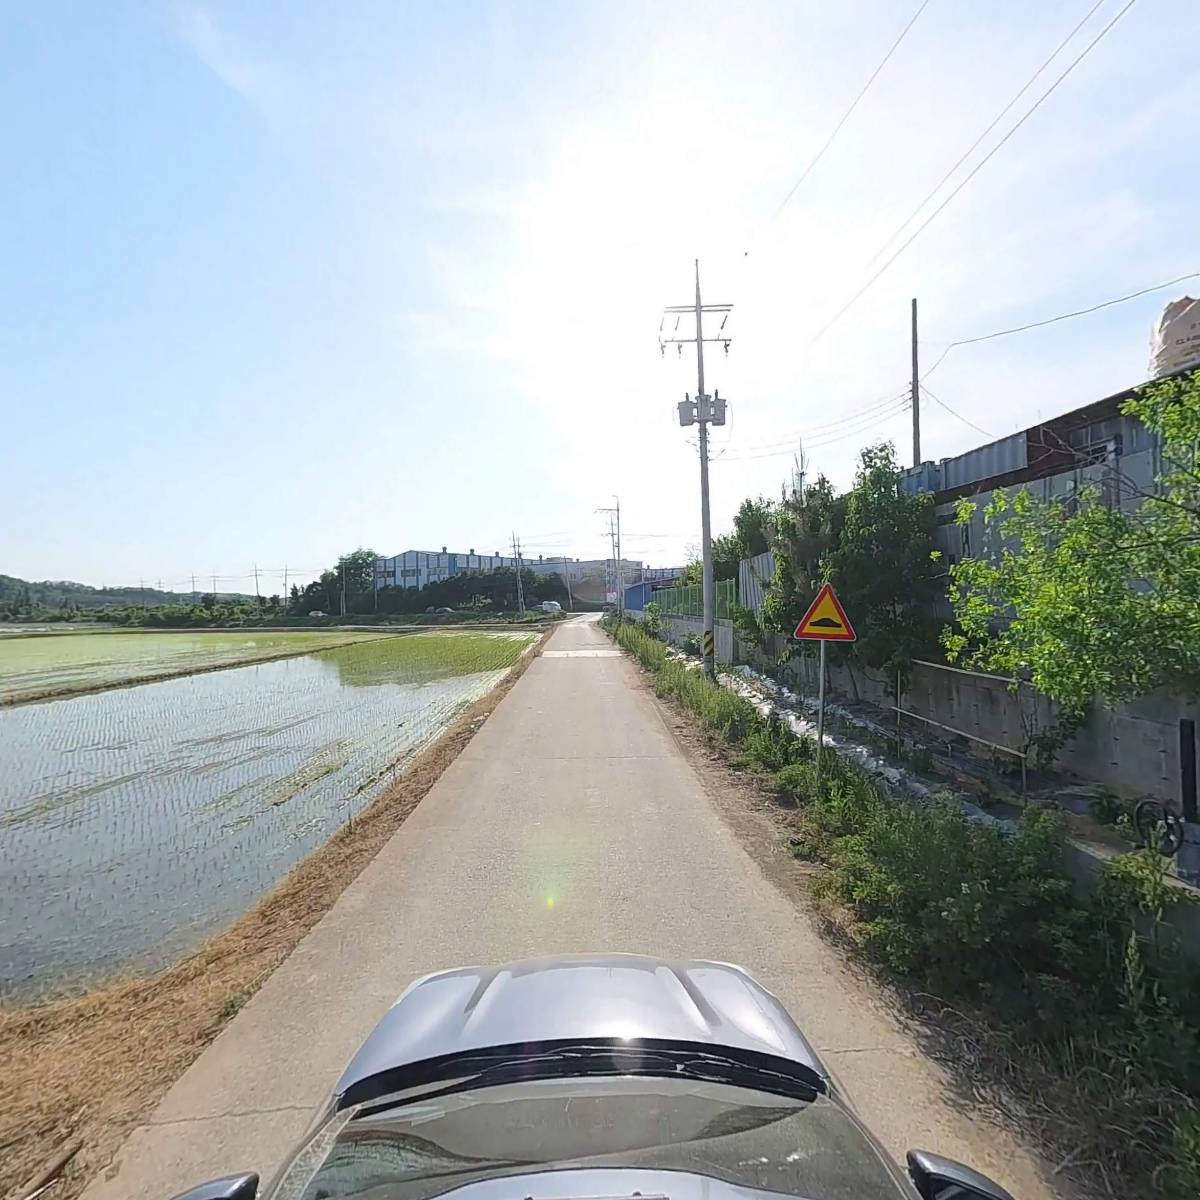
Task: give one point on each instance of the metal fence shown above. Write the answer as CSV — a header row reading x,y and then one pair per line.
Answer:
x,y
689,601
754,578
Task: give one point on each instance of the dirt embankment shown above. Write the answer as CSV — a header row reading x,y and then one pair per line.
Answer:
x,y
86,1070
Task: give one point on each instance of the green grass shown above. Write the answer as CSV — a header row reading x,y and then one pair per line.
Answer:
x,y
33,668
1084,1000
38,667
424,656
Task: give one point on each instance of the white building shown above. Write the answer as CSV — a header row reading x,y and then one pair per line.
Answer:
x,y
589,578
416,568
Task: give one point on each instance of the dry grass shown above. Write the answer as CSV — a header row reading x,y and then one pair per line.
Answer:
x,y
90,1068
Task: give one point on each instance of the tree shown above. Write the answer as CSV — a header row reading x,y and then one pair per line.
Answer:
x,y
751,535
359,571
883,564
806,529
875,545
1089,600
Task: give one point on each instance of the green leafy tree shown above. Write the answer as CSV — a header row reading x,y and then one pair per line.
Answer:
x,y
1085,599
807,528
751,535
875,545
883,564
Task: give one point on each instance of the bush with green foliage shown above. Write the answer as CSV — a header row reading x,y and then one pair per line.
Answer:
x,y
1088,988
652,619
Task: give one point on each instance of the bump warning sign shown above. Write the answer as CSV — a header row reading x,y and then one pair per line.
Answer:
x,y
826,619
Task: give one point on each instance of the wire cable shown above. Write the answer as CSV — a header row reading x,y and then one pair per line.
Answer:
x,y
818,443
853,105
977,428
971,174
809,442
975,144
875,409
1079,312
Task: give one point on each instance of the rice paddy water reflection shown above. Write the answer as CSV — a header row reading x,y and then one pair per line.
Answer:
x,y
135,822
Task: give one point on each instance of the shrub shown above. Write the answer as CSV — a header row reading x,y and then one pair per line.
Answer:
x,y
652,621
1090,988
772,746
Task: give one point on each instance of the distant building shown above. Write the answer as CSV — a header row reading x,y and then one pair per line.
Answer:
x,y
591,579
1094,446
417,568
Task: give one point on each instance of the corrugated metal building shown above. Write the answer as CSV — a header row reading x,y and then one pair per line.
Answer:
x,y
1093,446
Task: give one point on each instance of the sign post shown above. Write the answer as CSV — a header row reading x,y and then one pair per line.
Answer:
x,y
825,621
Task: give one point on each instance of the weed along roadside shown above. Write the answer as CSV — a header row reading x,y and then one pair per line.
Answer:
x,y
1072,1013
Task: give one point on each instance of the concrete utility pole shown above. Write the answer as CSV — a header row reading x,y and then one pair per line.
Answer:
x,y
704,409
193,587
520,584
614,536
916,391
612,549
257,594
285,591
342,564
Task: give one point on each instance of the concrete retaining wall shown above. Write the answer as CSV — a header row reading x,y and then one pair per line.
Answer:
x,y
679,629
1132,748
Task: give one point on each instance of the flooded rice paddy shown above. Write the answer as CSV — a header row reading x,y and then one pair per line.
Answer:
x,y
136,821
56,664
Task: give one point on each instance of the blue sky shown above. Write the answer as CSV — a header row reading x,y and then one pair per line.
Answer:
x,y
285,279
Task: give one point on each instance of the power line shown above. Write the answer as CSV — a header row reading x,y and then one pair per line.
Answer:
x,y
853,105
850,423
1079,312
943,404
822,442
971,174
994,122
875,408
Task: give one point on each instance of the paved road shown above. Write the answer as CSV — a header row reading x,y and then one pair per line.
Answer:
x,y
571,822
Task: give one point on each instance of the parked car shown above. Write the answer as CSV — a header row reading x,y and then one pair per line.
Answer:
x,y
550,606
594,1076
443,610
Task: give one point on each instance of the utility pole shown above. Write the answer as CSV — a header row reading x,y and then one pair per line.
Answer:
x,y
520,585
614,538
193,587
285,591
342,564
701,411
214,591
257,594
620,564
916,391
612,547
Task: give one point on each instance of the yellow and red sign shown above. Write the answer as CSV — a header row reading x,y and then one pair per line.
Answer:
x,y
826,619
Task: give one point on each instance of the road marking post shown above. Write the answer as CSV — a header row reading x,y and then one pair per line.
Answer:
x,y
825,621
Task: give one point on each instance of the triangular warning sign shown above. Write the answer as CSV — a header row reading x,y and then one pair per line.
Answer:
x,y
826,619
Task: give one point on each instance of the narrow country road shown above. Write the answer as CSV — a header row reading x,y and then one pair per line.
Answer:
x,y
571,822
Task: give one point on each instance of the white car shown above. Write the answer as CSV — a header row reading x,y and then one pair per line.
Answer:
x,y
550,606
